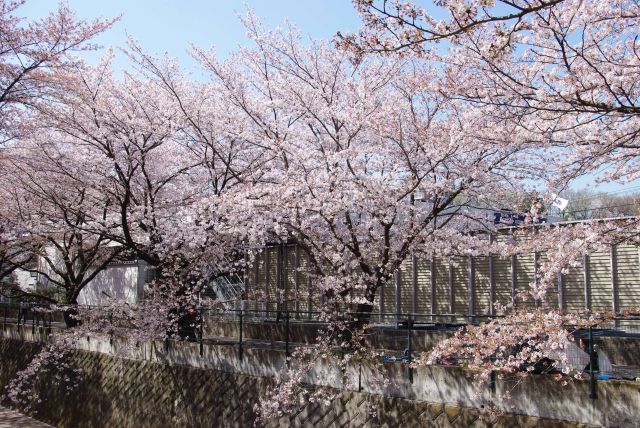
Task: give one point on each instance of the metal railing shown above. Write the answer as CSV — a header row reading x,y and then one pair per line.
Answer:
x,y
610,350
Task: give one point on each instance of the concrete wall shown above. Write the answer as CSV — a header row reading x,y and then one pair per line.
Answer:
x,y
537,396
118,282
116,392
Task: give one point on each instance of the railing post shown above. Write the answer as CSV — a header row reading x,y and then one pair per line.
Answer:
x,y
592,377
110,328
492,381
240,350
513,280
409,350
382,302
201,330
286,337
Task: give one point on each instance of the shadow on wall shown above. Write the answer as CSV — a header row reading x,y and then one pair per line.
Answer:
x,y
114,283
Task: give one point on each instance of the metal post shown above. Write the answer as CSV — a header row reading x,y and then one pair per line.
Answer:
x,y
513,280
240,350
409,350
535,272
360,378
382,302
201,331
256,267
110,328
245,275
593,393
286,337
280,290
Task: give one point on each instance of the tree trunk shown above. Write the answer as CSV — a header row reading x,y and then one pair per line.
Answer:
x,y
70,314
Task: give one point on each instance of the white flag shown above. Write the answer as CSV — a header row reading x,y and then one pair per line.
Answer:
x,y
560,203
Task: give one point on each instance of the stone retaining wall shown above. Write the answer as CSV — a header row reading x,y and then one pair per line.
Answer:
x,y
117,392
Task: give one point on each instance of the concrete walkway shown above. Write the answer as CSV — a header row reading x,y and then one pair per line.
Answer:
x,y
11,419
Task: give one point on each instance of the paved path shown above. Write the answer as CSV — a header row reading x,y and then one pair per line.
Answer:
x,y
11,419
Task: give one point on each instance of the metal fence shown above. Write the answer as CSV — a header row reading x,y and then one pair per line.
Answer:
x,y
610,350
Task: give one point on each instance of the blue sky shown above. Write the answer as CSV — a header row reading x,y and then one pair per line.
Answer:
x,y
170,26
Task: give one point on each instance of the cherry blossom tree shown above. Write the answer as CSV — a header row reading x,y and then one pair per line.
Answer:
x,y
408,27
564,71
33,53
157,150
126,130
52,203
369,164
15,247
363,161
563,74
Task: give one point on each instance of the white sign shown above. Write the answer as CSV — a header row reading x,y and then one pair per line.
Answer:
x,y
560,203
